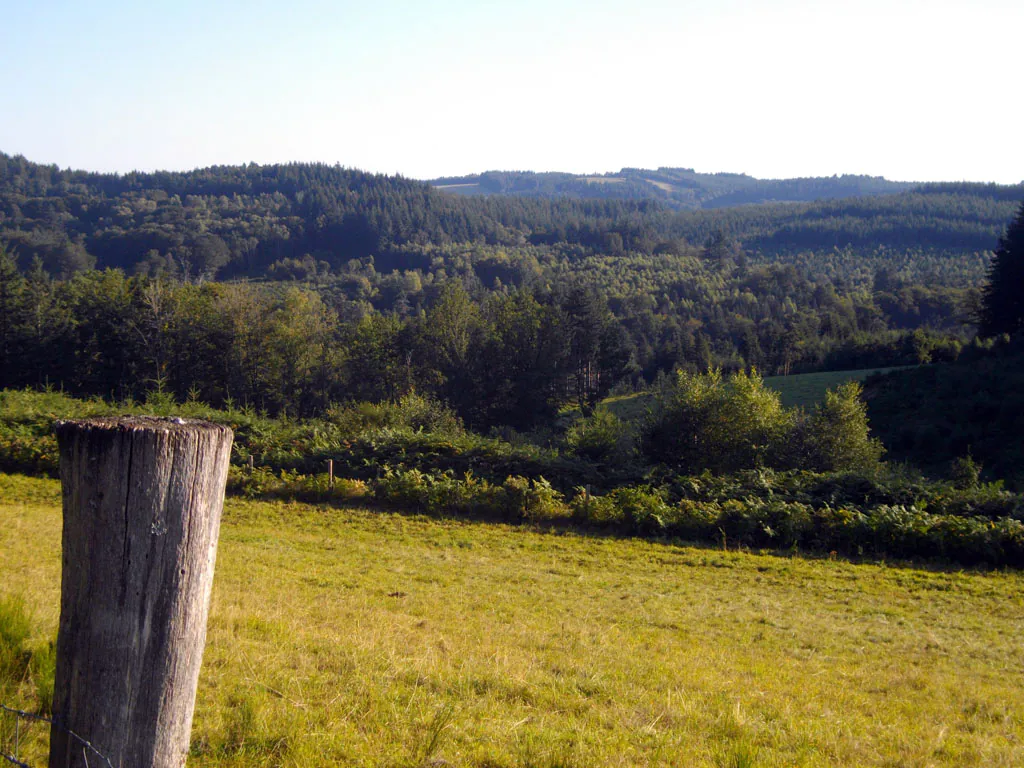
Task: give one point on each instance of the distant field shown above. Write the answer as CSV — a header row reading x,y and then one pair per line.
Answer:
x,y
630,408
804,390
351,637
663,185
808,389
461,189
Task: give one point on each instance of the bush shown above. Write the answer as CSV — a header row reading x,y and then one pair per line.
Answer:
x,y
705,421
600,437
965,472
263,482
516,499
534,500
837,434
695,521
595,510
405,488
642,509
411,411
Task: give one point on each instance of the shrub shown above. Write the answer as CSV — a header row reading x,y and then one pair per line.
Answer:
x,y
965,472
534,500
837,435
835,529
469,496
411,411
594,510
643,509
705,421
406,488
32,455
600,437
695,521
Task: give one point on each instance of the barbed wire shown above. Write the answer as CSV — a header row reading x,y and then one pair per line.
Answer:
x,y
19,715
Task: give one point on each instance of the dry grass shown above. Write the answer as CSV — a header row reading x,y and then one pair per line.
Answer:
x,y
360,638
662,185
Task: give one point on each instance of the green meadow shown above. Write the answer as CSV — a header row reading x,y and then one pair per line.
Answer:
x,y
808,389
364,637
802,389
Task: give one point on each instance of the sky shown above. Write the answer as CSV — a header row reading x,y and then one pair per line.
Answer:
x,y
909,90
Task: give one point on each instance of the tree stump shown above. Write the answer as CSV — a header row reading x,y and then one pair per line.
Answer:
x,y
142,506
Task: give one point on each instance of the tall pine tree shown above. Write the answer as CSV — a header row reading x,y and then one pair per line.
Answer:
x,y
1002,308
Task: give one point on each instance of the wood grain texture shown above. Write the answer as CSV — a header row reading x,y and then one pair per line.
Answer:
x,y
142,506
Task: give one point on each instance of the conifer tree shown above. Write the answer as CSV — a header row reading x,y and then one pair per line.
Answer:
x,y
1002,308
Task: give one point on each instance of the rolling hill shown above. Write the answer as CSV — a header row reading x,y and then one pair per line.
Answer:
x,y
678,188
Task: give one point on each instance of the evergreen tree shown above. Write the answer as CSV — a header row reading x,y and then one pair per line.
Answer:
x,y
12,307
838,434
1002,309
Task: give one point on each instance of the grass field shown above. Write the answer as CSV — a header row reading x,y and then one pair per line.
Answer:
x,y
354,637
808,389
802,389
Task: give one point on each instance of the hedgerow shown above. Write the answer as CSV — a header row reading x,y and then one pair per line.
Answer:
x,y
385,455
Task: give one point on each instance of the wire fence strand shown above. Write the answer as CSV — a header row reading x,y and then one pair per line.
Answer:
x,y
20,715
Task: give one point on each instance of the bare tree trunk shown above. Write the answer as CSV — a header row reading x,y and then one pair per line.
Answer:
x,y
142,507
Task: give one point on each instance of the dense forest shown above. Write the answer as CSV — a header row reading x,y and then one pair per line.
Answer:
x,y
681,188
241,221
506,307
501,355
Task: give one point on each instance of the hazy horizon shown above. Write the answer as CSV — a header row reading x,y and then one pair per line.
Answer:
x,y
584,173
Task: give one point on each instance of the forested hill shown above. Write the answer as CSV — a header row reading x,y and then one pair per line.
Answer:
x,y
231,221
680,188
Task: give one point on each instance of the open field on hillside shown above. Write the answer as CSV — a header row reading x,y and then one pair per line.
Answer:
x,y
808,389
802,389
359,637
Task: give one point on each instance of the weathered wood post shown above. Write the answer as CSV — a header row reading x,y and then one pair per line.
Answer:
x,y
142,506
330,473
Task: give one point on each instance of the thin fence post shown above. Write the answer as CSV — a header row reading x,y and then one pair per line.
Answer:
x,y
142,506
251,463
330,473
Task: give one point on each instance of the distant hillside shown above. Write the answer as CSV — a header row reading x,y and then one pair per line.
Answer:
x,y
232,221
679,188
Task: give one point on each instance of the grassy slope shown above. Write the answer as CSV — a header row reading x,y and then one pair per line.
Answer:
x,y
808,389
804,389
350,637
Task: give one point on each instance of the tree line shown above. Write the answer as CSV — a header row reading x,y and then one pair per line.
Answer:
x,y
232,221
511,359
680,188
507,354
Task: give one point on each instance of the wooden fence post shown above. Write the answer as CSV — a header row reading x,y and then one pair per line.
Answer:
x,y
330,473
142,506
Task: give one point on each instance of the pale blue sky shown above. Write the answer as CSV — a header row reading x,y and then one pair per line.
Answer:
x,y
905,89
